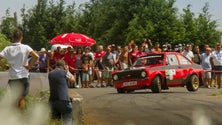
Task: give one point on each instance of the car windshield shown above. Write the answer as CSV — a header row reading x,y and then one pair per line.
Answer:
x,y
149,60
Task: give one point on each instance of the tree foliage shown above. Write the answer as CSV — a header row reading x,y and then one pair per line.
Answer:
x,y
8,24
115,21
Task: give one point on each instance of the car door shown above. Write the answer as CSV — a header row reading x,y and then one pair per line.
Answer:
x,y
185,66
173,70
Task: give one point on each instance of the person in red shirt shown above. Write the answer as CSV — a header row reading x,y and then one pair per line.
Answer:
x,y
142,51
57,53
133,54
69,58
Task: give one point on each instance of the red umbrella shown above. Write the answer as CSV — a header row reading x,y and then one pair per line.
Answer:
x,y
73,39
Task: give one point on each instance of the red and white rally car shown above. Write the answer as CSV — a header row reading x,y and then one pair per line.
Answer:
x,y
158,71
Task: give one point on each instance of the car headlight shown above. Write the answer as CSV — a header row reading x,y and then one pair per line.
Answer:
x,y
115,77
143,74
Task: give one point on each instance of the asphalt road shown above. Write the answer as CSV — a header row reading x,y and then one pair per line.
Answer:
x,y
176,106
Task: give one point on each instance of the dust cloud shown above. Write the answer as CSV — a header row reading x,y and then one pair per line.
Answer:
x,y
200,117
35,114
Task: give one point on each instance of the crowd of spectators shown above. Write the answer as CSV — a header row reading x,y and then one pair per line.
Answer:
x,y
88,65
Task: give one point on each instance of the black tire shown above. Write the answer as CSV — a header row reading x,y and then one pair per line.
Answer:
x,y
156,84
193,83
130,91
120,90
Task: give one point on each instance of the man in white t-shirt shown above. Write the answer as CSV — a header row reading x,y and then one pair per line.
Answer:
x,y
17,57
216,64
188,53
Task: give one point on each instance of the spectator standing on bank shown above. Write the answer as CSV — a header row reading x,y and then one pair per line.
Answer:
x,y
157,47
17,56
35,67
124,58
51,60
115,54
59,100
109,64
85,73
57,53
205,62
216,64
43,61
78,55
188,53
70,60
147,44
88,56
133,54
99,67
197,55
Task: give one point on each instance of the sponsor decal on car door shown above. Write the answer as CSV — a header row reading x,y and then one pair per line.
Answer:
x,y
174,73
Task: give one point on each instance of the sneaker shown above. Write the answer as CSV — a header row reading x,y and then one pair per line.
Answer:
x,y
77,86
209,86
98,86
109,85
103,86
91,86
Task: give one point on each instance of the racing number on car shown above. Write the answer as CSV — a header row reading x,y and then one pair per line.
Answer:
x,y
170,73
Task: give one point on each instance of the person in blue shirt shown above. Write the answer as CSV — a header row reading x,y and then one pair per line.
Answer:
x,y
59,100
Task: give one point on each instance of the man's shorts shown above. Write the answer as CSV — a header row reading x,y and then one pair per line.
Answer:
x,y
217,69
19,86
207,75
108,73
85,77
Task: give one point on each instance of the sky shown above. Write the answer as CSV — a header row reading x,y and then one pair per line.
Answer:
x,y
215,8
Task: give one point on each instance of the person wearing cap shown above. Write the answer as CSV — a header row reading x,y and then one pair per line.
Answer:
x,y
43,61
180,48
205,63
164,48
17,56
216,63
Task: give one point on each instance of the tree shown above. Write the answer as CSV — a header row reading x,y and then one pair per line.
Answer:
x,y
9,24
46,20
4,42
207,28
155,19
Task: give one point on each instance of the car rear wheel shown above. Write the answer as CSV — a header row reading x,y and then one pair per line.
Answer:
x,y
193,83
120,90
130,91
156,84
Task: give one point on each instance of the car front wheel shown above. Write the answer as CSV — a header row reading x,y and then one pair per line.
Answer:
x,y
156,84
193,83
121,90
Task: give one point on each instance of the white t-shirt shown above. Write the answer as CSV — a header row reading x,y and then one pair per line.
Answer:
x,y
17,56
188,54
217,58
206,61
